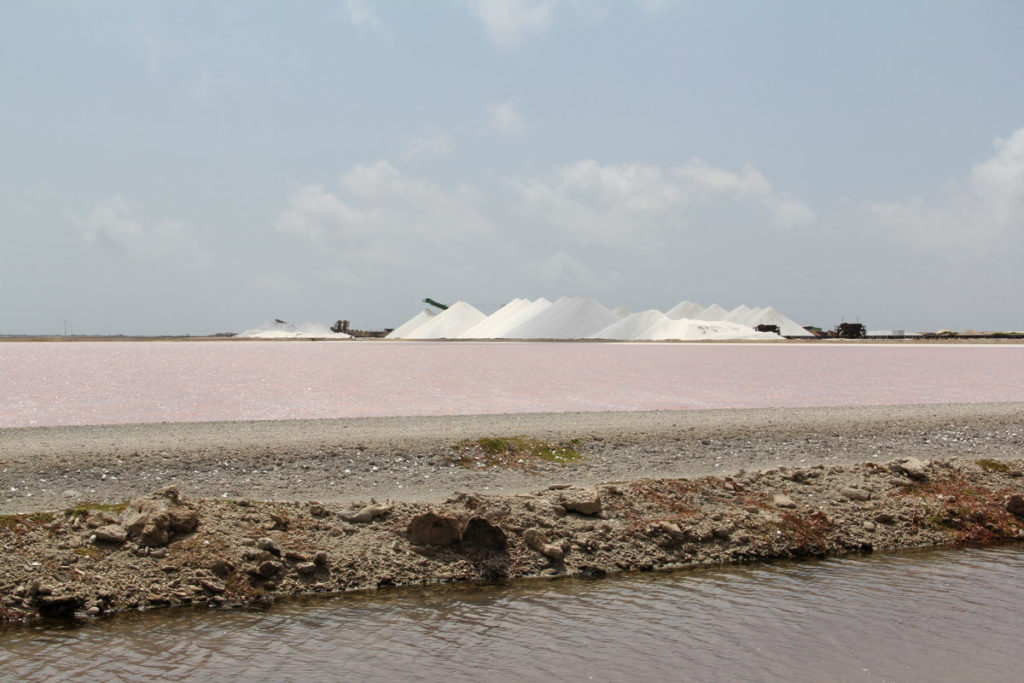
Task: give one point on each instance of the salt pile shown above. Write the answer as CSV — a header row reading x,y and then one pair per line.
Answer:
x,y
408,326
769,316
448,324
622,312
653,325
580,318
279,329
685,309
496,323
632,327
686,329
567,318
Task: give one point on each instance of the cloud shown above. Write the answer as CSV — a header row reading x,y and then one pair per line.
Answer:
x,y
380,219
982,211
509,22
431,145
360,14
113,223
506,119
617,205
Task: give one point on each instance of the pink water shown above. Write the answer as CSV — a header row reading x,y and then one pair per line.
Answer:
x,y
75,383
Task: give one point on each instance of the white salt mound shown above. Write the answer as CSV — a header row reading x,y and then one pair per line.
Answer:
x,y
411,324
769,316
712,313
567,318
685,309
448,324
633,327
686,329
494,324
501,331
622,312
282,330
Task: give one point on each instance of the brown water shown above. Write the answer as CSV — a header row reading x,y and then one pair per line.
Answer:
x,y
950,615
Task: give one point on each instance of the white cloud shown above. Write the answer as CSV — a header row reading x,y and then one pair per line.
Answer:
x,y
360,14
983,211
381,219
614,205
506,118
435,144
113,223
509,22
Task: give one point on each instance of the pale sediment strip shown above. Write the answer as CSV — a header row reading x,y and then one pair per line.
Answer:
x,y
413,458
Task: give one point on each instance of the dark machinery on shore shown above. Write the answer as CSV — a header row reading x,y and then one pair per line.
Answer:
x,y
764,327
436,304
849,331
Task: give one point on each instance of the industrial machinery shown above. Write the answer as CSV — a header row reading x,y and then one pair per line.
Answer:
x,y
430,301
850,331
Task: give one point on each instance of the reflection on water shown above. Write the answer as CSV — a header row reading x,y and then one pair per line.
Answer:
x,y
948,615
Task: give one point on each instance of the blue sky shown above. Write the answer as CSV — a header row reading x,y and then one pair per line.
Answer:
x,y
197,167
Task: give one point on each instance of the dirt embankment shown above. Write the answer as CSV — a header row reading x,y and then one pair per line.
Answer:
x,y
222,513
166,550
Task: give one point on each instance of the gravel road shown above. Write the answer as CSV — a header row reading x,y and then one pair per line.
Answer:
x,y
413,459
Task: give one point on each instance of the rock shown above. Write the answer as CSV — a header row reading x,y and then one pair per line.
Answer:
x,y
1016,474
306,569
295,556
212,585
884,518
367,514
722,533
222,568
1015,504
432,528
99,518
269,546
583,501
320,559
270,568
111,533
318,510
553,552
154,521
534,539
913,468
73,494
59,607
851,493
869,526
482,535
781,500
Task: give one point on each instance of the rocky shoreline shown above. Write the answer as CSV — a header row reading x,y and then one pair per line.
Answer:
x,y
335,506
163,550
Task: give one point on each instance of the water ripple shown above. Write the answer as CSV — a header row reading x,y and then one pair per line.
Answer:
x,y
949,615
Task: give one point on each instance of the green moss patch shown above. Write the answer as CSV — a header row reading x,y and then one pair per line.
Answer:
x,y
517,453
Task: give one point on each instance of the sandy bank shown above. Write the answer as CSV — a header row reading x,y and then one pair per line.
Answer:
x,y
414,459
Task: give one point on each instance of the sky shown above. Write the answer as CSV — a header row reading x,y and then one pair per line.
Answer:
x,y
202,167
